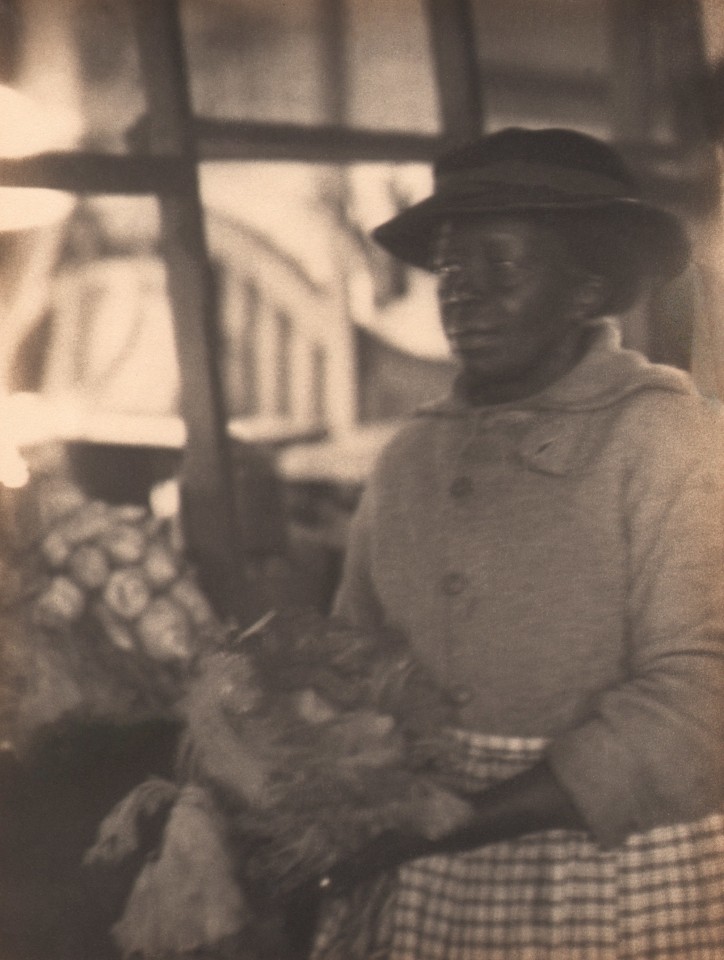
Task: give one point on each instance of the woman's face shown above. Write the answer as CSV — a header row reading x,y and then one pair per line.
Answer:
x,y
506,288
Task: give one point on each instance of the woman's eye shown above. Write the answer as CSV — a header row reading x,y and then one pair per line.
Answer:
x,y
445,269
506,271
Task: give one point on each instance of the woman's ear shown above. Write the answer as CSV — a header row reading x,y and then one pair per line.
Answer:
x,y
586,297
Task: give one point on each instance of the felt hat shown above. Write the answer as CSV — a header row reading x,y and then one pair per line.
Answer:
x,y
519,170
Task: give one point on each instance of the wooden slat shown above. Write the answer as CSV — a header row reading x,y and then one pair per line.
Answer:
x,y
207,491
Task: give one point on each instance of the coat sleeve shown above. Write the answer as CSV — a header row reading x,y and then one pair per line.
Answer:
x,y
652,751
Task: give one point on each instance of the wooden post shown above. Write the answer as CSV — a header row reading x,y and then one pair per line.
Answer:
x,y
207,488
341,382
633,105
459,81
657,73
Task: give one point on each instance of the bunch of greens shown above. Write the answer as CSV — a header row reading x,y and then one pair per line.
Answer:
x,y
304,739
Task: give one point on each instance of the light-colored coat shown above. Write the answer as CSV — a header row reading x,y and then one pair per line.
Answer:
x,y
558,564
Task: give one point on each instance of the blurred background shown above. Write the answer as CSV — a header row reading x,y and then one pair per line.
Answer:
x,y
192,315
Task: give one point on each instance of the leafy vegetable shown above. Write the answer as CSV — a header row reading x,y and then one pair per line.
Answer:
x,y
303,740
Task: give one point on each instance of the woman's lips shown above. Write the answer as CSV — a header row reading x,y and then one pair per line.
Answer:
x,y
462,333
465,323
457,297
474,339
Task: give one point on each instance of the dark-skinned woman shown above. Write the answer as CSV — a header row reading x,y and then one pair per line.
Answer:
x,y
550,540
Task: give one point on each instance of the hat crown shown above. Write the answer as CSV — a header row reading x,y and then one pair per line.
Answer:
x,y
556,148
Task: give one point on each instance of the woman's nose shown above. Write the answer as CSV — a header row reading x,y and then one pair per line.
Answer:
x,y
449,275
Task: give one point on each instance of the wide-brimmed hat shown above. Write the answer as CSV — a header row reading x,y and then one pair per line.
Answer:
x,y
518,170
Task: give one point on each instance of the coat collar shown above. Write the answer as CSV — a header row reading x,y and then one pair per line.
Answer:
x,y
606,374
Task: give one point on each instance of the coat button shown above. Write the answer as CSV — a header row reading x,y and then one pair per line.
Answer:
x,y
461,695
461,487
453,583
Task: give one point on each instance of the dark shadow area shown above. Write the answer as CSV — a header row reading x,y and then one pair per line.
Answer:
x,y
51,803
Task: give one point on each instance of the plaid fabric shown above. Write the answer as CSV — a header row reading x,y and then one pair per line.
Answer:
x,y
550,895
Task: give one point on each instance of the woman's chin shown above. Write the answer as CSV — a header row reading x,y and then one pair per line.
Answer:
x,y
490,365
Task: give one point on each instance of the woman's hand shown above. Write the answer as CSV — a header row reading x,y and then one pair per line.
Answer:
x,y
386,852
527,803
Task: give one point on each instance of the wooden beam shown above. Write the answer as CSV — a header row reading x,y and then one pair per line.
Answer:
x,y
632,74
323,143
670,173
333,36
681,36
452,37
207,487
85,172
658,71
657,74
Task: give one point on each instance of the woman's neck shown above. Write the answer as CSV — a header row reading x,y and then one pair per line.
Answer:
x,y
484,391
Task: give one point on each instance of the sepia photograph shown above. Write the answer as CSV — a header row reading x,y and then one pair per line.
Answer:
x,y
361,480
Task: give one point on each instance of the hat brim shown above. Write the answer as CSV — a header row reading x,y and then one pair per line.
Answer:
x,y
662,245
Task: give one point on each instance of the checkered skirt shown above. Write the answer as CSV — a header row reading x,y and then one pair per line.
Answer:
x,y
553,895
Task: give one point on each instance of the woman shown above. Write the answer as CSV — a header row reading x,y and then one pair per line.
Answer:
x,y
549,538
